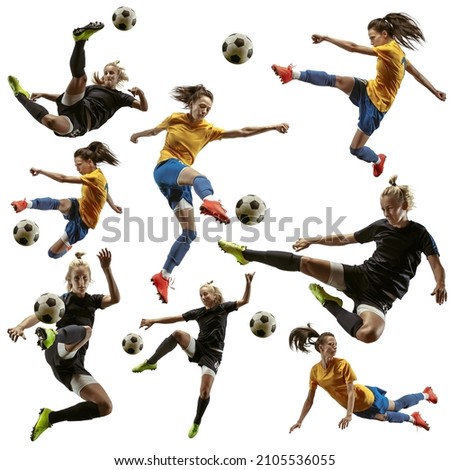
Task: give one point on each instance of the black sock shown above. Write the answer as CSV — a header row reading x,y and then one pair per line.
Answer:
x,y
351,322
201,408
164,348
35,109
278,259
79,412
78,59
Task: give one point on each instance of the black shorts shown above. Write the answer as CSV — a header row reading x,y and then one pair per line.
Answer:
x,y
205,356
362,290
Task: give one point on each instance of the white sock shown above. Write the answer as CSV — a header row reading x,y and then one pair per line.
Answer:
x,y
165,274
295,75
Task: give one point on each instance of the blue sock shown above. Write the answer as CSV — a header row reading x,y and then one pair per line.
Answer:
x,y
365,153
396,417
45,204
202,186
318,78
179,249
408,400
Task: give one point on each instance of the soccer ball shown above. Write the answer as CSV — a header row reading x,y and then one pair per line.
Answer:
x,y
237,48
132,343
26,232
49,308
263,324
250,209
124,18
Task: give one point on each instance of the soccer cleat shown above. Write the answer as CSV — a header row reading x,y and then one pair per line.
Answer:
x,y
233,249
19,206
432,397
419,421
85,32
16,88
379,167
215,209
284,73
193,431
162,286
42,424
144,366
46,337
319,293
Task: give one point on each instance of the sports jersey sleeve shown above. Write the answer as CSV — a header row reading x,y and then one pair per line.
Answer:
x,y
191,314
97,300
165,124
347,372
313,379
428,245
367,234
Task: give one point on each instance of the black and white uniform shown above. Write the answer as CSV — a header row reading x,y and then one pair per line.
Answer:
x,y
98,105
210,342
79,312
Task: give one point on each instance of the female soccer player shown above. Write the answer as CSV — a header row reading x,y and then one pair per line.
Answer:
x,y
83,213
373,285
187,134
207,349
82,108
374,97
336,377
65,348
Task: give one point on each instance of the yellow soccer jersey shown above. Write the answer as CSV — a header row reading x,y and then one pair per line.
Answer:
x,y
185,139
334,380
391,66
94,192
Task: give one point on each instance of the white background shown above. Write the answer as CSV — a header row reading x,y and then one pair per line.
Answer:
x,y
261,386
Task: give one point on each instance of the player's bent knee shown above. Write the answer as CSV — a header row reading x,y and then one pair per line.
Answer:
x,y
357,152
367,335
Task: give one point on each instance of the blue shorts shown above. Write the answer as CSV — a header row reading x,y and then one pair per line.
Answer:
x,y
369,116
166,176
379,406
75,229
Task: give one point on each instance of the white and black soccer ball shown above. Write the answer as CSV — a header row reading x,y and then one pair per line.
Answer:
x,y
124,18
132,343
263,324
250,209
237,48
26,232
49,308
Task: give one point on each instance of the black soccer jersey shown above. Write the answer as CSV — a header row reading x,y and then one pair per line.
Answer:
x,y
397,255
212,323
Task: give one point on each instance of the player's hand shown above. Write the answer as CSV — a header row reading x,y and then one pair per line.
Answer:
x,y
146,323
282,128
301,244
35,171
36,96
16,332
134,138
295,426
104,255
317,38
249,277
117,209
344,422
136,91
441,95
440,293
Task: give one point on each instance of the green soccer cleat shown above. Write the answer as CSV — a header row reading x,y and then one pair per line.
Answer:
x,y
85,32
46,337
42,424
193,431
319,293
144,366
16,88
233,249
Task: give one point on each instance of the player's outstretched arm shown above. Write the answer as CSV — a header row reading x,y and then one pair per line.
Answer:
x,y
305,410
251,131
47,96
113,206
59,177
19,330
425,82
148,133
113,297
349,46
248,287
439,291
148,322
329,240
345,421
